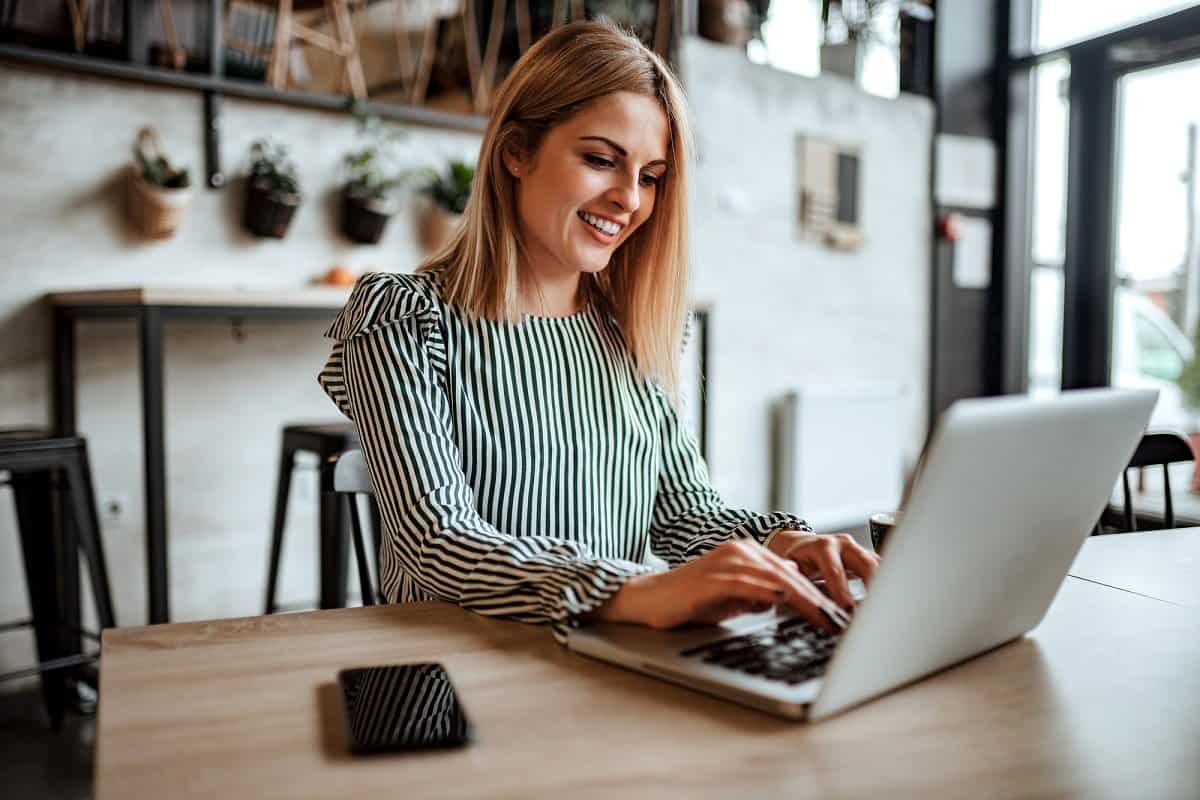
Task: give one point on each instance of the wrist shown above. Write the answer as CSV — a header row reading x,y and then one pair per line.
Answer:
x,y
624,605
781,540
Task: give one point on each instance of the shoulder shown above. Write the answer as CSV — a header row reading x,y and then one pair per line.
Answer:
x,y
380,299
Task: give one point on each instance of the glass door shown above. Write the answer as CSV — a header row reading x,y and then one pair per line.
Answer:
x,y
1156,301
1104,226
1051,105
1157,295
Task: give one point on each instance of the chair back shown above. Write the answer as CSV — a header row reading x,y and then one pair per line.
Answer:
x,y
350,473
350,479
1155,449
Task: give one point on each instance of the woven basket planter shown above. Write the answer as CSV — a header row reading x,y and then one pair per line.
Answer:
x,y
154,212
436,226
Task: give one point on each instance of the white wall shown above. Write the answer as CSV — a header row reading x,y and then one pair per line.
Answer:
x,y
63,142
786,310
783,310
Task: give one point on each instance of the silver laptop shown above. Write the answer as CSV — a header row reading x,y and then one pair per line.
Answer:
x,y
1007,492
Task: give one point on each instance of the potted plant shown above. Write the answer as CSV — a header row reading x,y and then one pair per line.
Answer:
x,y
448,192
159,193
369,194
1189,383
847,31
733,22
272,189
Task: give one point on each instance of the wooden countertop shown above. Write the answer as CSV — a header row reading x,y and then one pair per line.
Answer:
x,y
1100,701
1164,565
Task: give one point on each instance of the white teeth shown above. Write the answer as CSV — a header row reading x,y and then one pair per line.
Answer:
x,y
604,225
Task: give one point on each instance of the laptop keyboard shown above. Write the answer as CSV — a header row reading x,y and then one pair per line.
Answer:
x,y
792,652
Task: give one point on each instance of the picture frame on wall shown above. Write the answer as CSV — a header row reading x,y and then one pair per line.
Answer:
x,y
828,197
694,378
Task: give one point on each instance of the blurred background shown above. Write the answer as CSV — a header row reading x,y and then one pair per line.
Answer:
x,y
895,205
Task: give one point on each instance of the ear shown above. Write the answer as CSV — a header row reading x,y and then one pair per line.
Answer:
x,y
514,160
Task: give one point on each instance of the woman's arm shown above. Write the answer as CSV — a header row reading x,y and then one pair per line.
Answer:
x,y
434,534
689,517
690,520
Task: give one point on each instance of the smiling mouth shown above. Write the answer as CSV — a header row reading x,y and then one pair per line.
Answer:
x,y
605,228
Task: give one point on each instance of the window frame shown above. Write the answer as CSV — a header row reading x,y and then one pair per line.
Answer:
x,y
1096,66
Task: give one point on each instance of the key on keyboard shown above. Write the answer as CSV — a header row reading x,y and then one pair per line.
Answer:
x,y
792,652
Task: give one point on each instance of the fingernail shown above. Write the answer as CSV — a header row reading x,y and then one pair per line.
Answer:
x,y
840,618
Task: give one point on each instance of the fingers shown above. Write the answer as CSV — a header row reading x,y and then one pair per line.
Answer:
x,y
860,560
743,587
829,563
832,557
803,596
745,570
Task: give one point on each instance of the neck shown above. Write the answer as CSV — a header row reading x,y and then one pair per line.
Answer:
x,y
549,295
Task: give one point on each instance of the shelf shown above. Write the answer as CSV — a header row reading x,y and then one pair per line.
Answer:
x,y
231,86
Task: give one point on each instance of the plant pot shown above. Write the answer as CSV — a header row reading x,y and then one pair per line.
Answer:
x,y
845,59
266,214
1194,441
155,212
362,221
437,225
726,21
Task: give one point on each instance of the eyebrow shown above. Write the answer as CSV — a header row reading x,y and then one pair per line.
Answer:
x,y
620,150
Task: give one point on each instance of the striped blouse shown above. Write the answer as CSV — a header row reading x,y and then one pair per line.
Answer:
x,y
521,470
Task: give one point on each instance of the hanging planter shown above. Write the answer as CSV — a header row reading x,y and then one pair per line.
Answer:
x,y
844,58
727,21
158,193
272,190
369,193
364,217
436,227
448,193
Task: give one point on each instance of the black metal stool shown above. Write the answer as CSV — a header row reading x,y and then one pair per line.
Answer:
x,y
41,468
324,440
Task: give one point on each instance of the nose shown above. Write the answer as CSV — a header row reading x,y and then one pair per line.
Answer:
x,y
625,194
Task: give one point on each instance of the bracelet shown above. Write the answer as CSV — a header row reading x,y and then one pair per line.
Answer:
x,y
798,527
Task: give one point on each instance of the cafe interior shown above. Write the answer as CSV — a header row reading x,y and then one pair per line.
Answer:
x,y
907,221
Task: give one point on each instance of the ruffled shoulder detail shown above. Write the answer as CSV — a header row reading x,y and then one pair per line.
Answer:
x,y
380,299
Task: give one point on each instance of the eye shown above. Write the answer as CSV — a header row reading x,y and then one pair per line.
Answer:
x,y
649,179
597,161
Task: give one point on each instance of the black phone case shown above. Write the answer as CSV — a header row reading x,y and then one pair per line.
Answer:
x,y
400,707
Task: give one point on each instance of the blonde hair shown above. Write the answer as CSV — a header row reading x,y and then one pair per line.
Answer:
x,y
644,283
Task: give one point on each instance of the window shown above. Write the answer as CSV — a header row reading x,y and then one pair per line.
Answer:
x,y
1155,356
1052,83
1060,22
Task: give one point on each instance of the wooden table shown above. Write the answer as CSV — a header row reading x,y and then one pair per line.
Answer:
x,y
1101,700
1164,565
152,308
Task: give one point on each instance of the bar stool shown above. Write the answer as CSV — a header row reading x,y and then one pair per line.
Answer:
x,y
324,440
40,467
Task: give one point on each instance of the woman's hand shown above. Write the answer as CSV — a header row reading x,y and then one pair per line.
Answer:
x,y
733,578
831,558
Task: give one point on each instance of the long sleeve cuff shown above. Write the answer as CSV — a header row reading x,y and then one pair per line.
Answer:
x,y
583,587
759,527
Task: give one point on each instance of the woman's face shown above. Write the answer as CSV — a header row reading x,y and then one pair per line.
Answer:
x,y
590,184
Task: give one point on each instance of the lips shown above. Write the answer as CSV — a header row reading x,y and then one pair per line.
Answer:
x,y
597,234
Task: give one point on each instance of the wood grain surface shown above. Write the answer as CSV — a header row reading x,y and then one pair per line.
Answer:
x,y
1101,700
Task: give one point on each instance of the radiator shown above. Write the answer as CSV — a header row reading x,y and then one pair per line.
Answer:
x,y
837,453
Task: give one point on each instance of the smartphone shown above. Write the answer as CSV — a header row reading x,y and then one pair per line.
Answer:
x,y
402,707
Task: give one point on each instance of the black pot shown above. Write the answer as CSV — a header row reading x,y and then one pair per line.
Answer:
x,y
360,222
267,215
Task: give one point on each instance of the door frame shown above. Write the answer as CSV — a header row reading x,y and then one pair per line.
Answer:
x,y
1089,281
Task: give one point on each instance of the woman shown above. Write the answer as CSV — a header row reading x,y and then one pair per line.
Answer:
x,y
514,398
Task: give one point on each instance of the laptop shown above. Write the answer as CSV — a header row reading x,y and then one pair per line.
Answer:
x,y
1007,491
